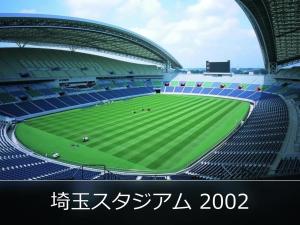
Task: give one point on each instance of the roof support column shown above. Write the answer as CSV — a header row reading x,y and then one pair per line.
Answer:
x,y
21,44
273,68
167,66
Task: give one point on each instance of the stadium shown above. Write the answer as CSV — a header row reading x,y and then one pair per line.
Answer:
x,y
68,114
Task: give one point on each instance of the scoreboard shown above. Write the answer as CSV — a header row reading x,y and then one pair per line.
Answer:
x,y
218,67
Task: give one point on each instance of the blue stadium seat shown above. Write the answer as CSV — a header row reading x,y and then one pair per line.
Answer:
x,y
169,89
235,93
197,90
246,94
88,98
68,100
41,103
178,89
188,89
12,110
29,107
97,95
56,102
216,91
225,92
206,90
79,99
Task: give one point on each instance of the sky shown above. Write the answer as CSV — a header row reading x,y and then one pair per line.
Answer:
x,y
193,31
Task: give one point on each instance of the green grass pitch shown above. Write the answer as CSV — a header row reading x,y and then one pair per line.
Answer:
x,y
157,133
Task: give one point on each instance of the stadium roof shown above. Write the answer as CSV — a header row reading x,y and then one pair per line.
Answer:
x,y
58,31
277,26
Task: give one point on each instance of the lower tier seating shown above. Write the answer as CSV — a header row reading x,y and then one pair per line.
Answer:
x,y
41,105
288,166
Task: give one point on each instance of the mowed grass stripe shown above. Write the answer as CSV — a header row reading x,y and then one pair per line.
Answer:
x,y
170,153
108,125
207,139
122,121
88,120
159,132
45,143
163,136
79,113
134,126
70,117
148,125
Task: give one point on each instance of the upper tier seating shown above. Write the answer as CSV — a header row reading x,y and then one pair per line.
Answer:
x,y
33,63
